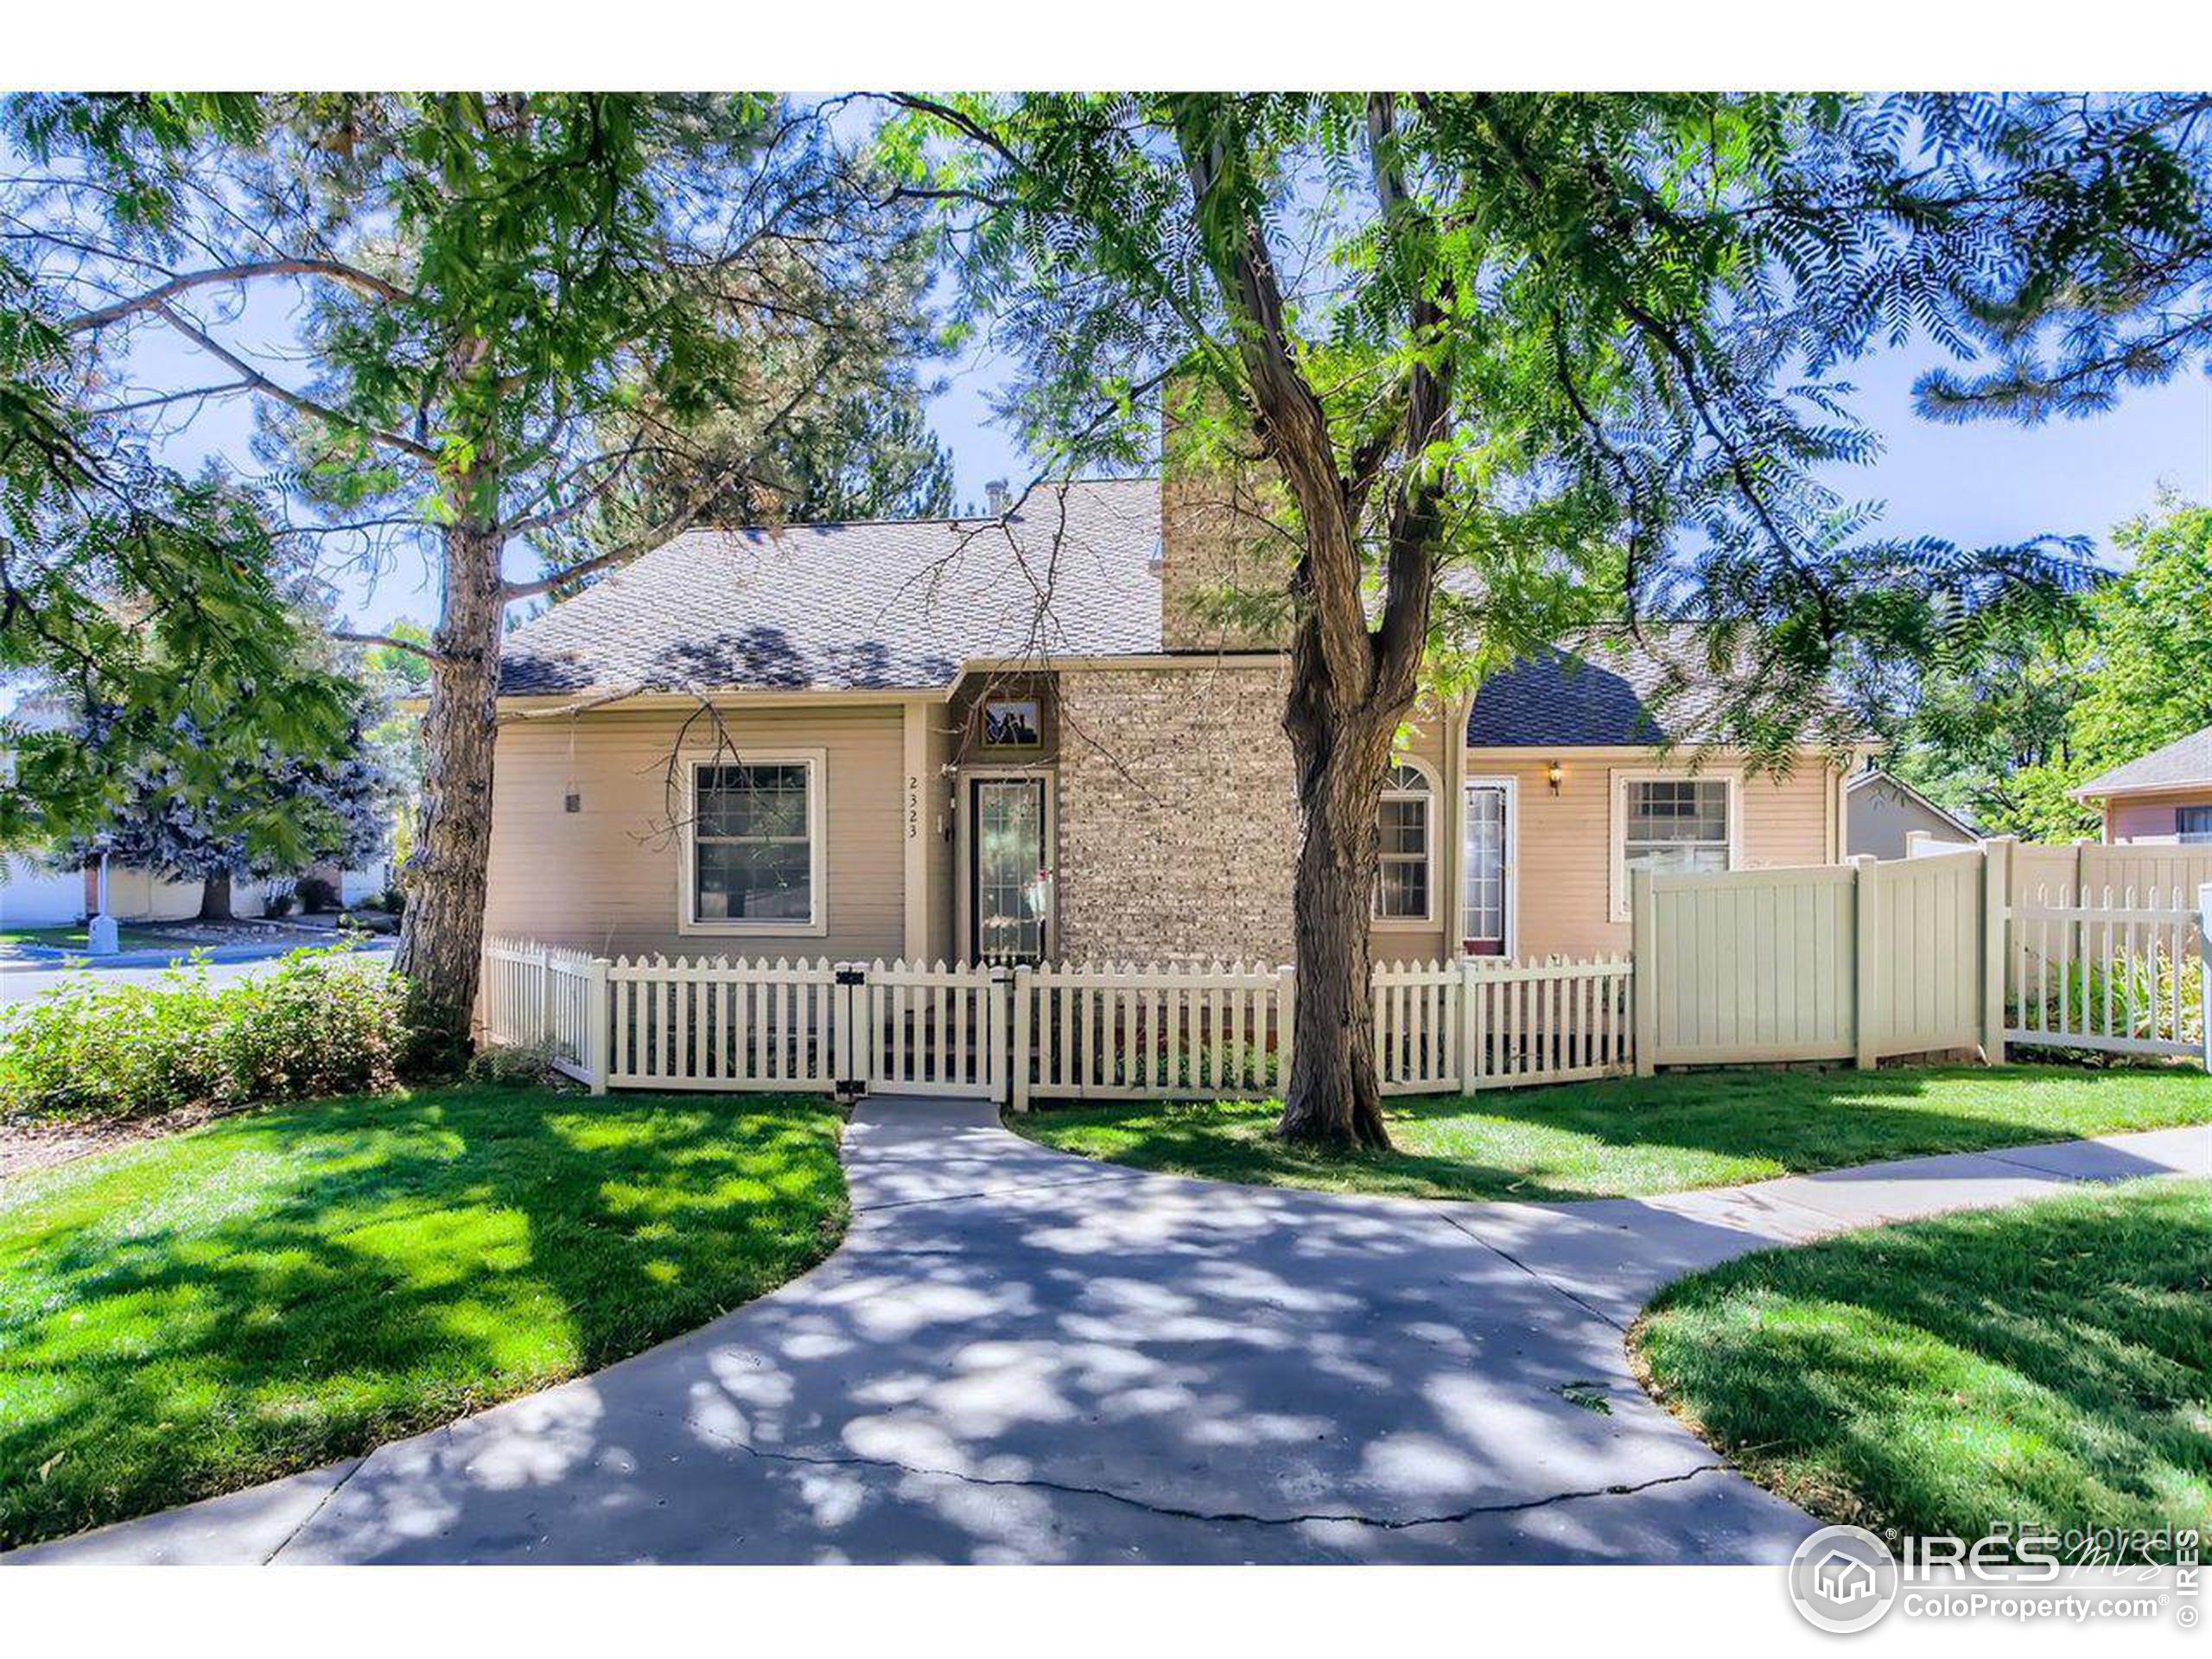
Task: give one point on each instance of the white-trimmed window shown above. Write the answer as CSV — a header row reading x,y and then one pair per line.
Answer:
x,y
1676,824
753,843
1404,887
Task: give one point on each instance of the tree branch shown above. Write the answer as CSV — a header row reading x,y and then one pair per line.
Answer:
x,y
704,498
391,639
157,298
261,383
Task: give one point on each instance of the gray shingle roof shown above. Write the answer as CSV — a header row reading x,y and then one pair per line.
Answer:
x,y
871,606
1599,692
2184,761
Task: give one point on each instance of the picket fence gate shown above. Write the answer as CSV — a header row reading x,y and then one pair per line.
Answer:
x,y
1065,1032
2126,975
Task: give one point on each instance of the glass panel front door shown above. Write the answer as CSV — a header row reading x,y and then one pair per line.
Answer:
x,y
1482,925
1011,886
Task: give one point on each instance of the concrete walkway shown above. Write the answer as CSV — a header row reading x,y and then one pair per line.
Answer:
x,y
1020,1355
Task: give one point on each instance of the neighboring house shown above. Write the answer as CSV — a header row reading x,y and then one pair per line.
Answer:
x,y
36,893
2166,795
867,742
1880,813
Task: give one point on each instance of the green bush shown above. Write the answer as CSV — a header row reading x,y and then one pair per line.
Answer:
x,y
317,1024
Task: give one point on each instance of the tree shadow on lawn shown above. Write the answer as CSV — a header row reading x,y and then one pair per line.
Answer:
x,y
1632,1137
276,1292
2042,1366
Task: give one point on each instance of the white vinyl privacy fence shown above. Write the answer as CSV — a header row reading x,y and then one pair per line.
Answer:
x,y
1937,952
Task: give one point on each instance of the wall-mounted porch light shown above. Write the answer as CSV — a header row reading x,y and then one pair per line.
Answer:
x,y
1554,774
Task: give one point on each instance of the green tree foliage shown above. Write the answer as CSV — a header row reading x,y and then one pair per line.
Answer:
x,y
1581,352
195,815
572,324
2011,733
149,599
2149,678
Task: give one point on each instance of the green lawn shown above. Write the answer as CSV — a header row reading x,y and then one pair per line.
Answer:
x,y
2047,1364
1639,1136
74,938
195,1315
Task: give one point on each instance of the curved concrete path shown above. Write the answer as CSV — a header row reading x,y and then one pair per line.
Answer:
x,y
1021,1356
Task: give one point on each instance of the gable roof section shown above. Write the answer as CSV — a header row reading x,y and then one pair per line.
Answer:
x,y
1608,690
1873,775
874,606
2183,764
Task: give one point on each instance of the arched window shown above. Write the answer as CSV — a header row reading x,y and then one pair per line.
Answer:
x,y
1404,887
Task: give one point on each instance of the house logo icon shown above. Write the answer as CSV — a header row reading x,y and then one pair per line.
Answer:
x,y
1843,1579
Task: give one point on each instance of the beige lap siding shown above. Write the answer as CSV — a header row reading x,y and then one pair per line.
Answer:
x,y
1565,859
605,878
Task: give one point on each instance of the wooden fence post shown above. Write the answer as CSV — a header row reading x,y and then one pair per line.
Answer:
x,y
1865,894
1286,1025
1019,1056
598,1026
1644,972
1996,945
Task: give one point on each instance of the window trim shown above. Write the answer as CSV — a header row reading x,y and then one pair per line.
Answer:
x,y
816,762
1428,921
1617,816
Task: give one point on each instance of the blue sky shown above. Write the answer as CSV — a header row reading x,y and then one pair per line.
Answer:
x,y
1986,483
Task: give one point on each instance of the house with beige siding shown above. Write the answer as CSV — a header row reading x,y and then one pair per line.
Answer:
x,y
1019,737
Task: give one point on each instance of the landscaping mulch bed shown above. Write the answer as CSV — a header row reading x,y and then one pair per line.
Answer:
x,y
25,1145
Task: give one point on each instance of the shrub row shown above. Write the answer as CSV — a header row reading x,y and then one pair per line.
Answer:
x,y
317,1024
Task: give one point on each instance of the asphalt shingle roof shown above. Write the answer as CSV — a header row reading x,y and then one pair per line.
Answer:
x,y
2184,761
872,606
1594,692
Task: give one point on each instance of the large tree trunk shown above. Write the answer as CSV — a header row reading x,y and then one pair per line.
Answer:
x,y
215,898
1332,1100
440,939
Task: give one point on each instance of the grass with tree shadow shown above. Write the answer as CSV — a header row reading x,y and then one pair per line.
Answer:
x,y
1631,1136
193,1315
2044,1365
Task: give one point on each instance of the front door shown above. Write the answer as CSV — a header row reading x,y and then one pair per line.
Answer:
x,y
1009,891
1488,889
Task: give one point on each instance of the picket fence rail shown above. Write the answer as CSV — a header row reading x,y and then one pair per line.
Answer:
x,y
1064,1032
1857,962
2127,975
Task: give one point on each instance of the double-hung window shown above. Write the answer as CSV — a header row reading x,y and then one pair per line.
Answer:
x,y
1672,825
2193,824
1403,885
753,845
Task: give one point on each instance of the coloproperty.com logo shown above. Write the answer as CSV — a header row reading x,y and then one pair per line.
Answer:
x,y
1845,1579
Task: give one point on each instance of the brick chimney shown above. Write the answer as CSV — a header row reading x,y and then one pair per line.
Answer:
x,y
1221,556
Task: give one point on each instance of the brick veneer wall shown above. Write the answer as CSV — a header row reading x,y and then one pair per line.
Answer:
x,y
1177,817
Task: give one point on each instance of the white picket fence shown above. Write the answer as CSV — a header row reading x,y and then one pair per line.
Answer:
x,y
1088,1032
2126,974
1857,962
537,995
1122,1032
1487,1023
